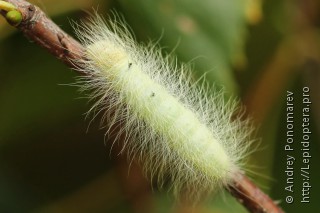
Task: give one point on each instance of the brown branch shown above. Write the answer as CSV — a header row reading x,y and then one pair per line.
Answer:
x,y
43,31
40,29
249,195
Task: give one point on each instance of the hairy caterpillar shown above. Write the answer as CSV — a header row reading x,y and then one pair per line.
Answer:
x,y
181,131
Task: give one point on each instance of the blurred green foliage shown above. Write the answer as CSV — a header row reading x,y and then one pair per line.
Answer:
x,y
211,33
51,161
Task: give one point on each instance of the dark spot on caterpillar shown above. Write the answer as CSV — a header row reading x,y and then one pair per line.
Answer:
x,y
129,65
152,94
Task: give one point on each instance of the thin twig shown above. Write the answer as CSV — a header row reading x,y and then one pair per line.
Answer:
x,y
43,31
250,196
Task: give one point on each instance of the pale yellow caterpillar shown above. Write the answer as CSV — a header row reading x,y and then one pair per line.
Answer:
x,y
181,131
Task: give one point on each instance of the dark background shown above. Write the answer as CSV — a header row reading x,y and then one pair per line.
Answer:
x,y
51,160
